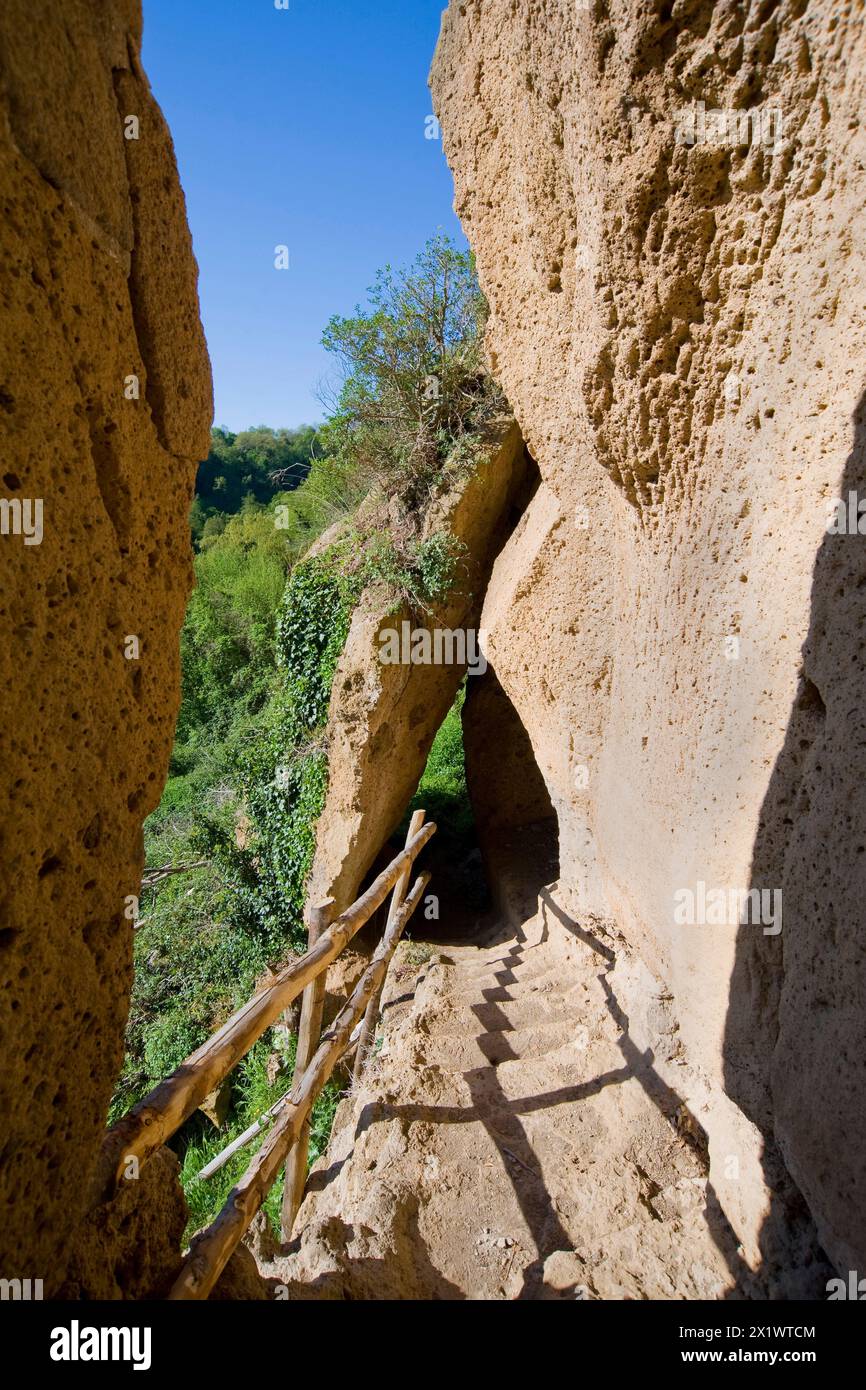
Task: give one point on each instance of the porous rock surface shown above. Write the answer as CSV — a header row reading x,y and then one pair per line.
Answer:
x,y
383,716
678,328
98,286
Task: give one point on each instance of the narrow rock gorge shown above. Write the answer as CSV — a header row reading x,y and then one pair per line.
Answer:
x,y
636,1071
676,632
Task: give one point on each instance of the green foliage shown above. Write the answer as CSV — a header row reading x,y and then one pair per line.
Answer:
x,y
227,643
414,382
444,794
192,965
436,563
263,633
281,768
258,654
253,1095
417,572
254,464
311,633
442,790
332,490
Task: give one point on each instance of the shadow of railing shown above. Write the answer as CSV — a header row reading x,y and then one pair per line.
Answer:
x,y
640,1065
501,1116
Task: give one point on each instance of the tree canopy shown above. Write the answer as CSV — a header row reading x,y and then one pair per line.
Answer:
x,y
413,376
257,463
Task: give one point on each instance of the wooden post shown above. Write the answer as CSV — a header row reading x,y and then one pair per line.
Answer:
x,y
154,1119
257,1126
371,1017
309,1033
212,1248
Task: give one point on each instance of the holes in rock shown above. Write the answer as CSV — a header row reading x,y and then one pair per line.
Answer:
x,y
809,699
93,833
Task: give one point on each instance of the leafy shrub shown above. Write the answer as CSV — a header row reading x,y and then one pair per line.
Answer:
x,y
414,380
282,769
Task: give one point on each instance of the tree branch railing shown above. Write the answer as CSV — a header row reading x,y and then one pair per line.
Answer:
x,y
212,1248
263,1122
368,1025
147,1126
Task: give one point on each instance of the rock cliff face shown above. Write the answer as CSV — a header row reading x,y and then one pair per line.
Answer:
x,y
383,717
677,304
105,406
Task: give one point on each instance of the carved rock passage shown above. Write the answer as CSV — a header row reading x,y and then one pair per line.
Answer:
x,y
511,1138
383,717
679,330
98,285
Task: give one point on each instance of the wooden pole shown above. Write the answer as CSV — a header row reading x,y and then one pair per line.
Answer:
x,y
371,1017
256,1127
241,1142
154,1119
212,1248
309,1033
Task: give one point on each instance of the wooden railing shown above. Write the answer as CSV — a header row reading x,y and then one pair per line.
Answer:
x,y
155,1118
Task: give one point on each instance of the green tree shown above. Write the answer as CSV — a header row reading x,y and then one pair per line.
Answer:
x,y
413,377
256,464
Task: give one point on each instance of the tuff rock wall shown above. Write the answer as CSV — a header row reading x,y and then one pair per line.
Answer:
x,y
383,717
678,322
98,287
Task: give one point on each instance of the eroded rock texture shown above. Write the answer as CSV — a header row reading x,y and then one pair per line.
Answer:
x,y
383,716
678,327
98,286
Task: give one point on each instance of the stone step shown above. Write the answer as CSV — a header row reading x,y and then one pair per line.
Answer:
x,y
514,955
567,1064
459,1053
474,1014
507,976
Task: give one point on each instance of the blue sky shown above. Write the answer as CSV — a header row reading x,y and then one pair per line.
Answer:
x,y
302,128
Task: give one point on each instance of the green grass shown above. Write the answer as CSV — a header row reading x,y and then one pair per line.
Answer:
x,y
253,1096
442,790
